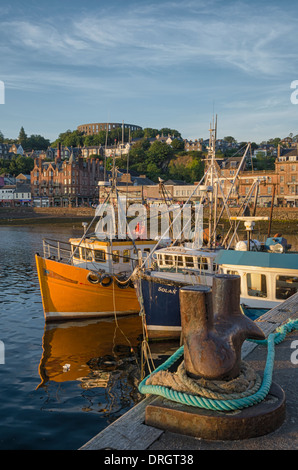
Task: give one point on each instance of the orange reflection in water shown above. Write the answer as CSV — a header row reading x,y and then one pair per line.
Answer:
x,y
69,346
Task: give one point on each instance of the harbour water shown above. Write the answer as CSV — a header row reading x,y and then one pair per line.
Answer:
x,y
63,383
60,384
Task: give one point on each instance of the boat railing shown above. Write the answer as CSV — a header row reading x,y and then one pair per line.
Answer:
x,y
56,249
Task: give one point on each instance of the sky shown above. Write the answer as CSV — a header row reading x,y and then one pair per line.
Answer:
x,y
153,63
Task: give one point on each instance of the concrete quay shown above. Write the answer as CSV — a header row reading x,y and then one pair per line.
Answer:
x,y
130,433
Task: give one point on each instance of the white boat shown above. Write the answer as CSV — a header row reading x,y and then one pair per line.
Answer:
x,y
267,279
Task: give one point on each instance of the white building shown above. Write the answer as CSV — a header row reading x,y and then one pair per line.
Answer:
x,y
7,193
15,195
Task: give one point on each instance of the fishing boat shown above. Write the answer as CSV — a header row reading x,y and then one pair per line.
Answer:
x,y
268,270
93,282
268,277
89,277
158,287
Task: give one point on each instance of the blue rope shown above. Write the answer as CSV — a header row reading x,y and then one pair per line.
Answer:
x,y
223,405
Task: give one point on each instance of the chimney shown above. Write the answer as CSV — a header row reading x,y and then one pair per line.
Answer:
x,y
278,150
58,157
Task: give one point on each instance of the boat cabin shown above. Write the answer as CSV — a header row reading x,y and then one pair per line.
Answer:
x,y
177,259
108,256
265,277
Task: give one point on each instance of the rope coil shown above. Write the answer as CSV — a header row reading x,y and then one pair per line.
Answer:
x,y
229,404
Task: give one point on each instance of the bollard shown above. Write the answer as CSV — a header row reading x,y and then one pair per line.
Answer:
x,y
214,329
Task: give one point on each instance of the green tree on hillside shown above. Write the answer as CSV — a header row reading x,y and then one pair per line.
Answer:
x,y
160,153
22,137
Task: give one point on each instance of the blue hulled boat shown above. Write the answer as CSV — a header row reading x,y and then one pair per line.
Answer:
x,y
268,277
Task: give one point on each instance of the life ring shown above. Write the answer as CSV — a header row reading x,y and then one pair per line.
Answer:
x,y
108,278
93,277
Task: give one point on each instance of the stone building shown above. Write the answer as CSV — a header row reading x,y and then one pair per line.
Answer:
x,y
70,182
286,167
280,183
96,127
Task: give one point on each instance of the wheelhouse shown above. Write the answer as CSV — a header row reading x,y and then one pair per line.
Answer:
x,y
177,259
271,277
114,256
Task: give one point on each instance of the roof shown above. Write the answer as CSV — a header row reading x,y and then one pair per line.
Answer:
x,y
182,250
291,152
174,182
258,258
138,180
23,188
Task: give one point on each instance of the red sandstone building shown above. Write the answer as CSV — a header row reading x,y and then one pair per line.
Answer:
x,y
63,183
280,184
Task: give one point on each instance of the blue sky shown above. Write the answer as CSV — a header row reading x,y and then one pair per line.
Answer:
x,y
151,63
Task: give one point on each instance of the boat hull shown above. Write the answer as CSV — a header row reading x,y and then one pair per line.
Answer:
x,y
67,294
161,303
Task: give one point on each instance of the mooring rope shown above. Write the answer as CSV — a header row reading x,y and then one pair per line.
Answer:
x,y
229,404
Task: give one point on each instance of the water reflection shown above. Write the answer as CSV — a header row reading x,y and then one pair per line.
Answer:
x,y
81,350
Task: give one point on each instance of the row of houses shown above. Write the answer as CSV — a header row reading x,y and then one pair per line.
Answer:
x,y
9,150
15,191
75,181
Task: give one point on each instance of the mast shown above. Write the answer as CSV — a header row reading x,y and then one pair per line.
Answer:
x,y
210,173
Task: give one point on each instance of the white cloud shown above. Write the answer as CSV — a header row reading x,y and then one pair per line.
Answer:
x,y
161,35
174,55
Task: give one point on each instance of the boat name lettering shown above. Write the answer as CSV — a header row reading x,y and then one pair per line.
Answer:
x,y
167,291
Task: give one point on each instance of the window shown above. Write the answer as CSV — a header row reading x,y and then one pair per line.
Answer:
x,y
203,263
286,286
180,261
115,256
169,260
100,256
86,254
256,285
189,261
126,256
282,178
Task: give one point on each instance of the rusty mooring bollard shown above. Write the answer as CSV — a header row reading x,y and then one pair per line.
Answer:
x,y
214,328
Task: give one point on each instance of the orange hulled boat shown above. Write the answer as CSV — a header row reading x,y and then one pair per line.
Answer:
x,y
89,278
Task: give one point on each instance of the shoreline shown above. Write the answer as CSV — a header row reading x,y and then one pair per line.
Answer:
x,y
43,220
288,226
284,219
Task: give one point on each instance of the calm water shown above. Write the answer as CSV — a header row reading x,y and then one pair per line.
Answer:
x,y
55,392
60,384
